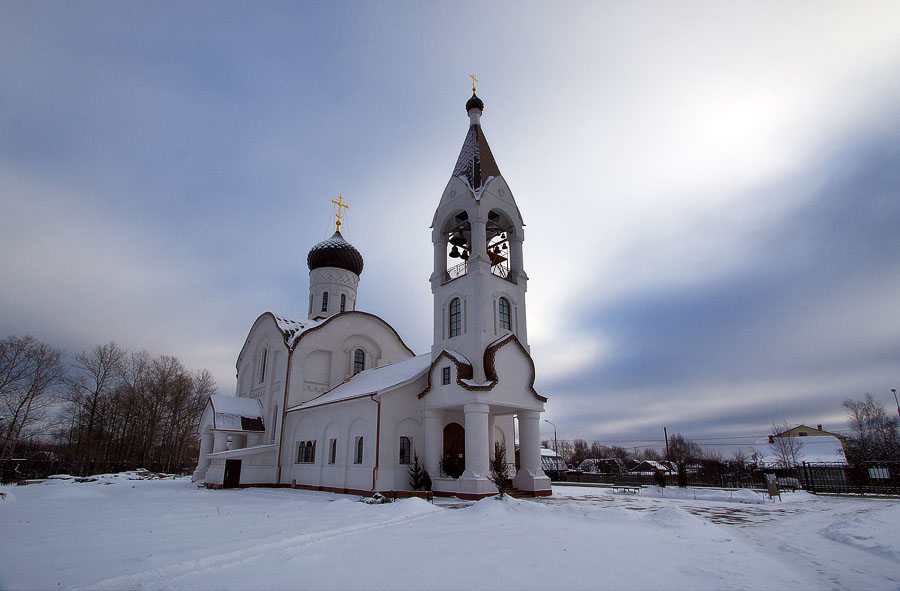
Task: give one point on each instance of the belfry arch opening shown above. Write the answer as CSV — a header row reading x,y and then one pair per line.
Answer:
x,y
459,245
499,229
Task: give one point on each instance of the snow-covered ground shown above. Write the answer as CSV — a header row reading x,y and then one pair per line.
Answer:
x,y
169,534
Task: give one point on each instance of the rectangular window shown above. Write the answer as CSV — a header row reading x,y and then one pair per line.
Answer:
x,y
332,451
325,302
358,458
445,375
455,318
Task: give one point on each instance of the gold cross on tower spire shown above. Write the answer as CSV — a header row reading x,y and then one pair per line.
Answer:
x,y
474,80
340,212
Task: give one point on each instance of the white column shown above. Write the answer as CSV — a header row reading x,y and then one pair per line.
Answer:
x,y
434,436
529,440
477,440
530,475
206,448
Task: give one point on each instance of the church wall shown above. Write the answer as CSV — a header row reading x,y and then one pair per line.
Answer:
x,y
400,417
339,339
344,422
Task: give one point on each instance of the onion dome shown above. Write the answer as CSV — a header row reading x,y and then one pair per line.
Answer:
x,y
474,103
335,252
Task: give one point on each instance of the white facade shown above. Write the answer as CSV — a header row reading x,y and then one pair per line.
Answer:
x,y
341,403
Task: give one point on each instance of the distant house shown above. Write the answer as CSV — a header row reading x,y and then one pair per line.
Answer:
x,y
651,467
805,444
552,462
601,465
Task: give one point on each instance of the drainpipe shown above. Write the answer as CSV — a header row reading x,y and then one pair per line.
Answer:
x,y
287,386
377,440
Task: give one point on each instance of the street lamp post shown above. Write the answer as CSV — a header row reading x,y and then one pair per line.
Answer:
x,y
555,444
894,392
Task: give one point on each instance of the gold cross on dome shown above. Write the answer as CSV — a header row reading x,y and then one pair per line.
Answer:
x,y
340,212
474,80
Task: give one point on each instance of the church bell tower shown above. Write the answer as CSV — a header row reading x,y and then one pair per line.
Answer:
x,y
480,398
479,281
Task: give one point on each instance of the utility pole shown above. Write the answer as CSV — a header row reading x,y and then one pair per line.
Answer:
x,y
894,392
555,444
666,433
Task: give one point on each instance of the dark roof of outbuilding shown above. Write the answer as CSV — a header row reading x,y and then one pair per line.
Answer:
x,y
335,252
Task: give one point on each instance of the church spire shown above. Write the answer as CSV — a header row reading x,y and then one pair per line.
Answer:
x,y
476,163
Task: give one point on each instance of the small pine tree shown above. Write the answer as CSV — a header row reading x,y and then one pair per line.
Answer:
x,y
418,475
499,469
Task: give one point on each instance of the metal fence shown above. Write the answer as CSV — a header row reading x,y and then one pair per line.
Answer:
x,y
870,478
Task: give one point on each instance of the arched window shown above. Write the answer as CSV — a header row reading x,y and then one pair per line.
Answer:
x,y
306,452
262,365
343,302
358,459
405,448
332,453
455,317
359,361
325,301
503,306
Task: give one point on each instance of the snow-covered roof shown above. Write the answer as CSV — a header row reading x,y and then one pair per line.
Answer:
x,y
245,451
236,414
547,452
372,381
459,357
814,450
292,328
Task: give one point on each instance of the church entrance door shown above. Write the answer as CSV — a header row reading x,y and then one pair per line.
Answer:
x,y
454,460
232,474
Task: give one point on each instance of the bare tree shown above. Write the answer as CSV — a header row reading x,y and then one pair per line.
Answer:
x,y
873,436
30,373
683,452
97,373
786,449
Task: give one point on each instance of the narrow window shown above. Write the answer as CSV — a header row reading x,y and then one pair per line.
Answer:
x,y
505,323
404,450
310,304
343,302
454,318
359,361
332,452
359,451
301,450
262,365
274,422
445,375
310,452
325,301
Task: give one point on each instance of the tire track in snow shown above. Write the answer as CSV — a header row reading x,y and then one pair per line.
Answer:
x,y
291,546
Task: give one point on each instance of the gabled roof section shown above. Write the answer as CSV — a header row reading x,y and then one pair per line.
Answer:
x,y
476,164
292,328
236,414
372,381
464,368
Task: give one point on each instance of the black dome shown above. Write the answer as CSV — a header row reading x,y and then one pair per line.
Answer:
x,y
335,252
474,103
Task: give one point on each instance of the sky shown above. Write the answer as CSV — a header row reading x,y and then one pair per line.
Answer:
x,y
710,190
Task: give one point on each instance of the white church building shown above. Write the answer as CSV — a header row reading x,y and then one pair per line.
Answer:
x,y
336,401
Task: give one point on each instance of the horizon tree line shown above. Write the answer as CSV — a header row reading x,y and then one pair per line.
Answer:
x,y
106,404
